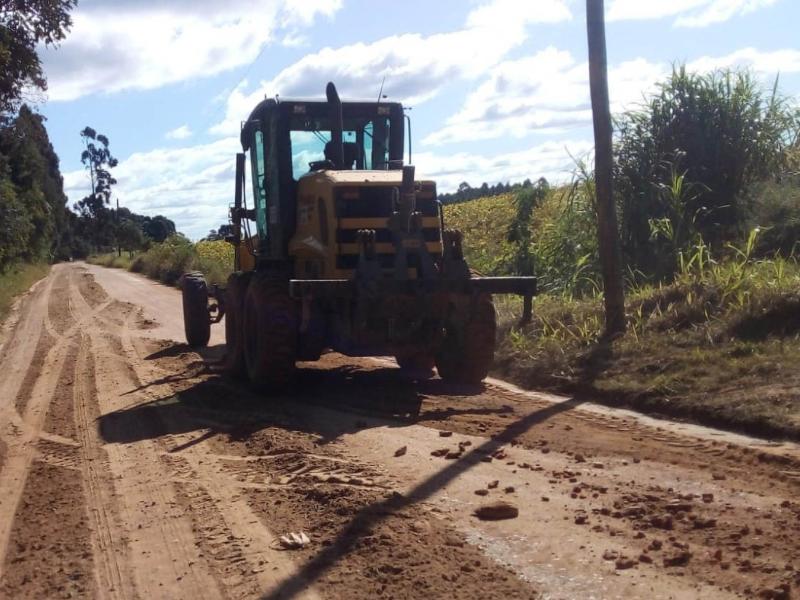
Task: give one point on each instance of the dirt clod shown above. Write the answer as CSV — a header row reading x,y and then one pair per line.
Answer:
x,y
496,511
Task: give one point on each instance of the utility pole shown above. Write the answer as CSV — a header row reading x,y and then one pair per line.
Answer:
x,y
607,230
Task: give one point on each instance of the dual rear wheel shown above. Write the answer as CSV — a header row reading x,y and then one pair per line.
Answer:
x,y
467,350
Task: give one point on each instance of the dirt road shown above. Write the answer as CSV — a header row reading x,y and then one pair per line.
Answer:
x,y
130,468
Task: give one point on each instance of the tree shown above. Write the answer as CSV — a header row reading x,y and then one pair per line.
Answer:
x,y
158,228
97,221
24,25
33,209
608,233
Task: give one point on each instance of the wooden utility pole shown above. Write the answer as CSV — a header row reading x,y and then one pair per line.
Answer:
x,y
607,230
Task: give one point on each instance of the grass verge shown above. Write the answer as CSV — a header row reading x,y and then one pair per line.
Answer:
x,y
16,280
719,347
111,260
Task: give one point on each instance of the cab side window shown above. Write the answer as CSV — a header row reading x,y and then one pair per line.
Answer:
x,y
258,166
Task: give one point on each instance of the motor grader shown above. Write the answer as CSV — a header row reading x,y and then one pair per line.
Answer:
x,y
350,253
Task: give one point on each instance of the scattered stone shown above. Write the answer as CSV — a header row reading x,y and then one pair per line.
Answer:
x,y
496,511
717,554
637,460
598,465
401,451
545,450
482,492
678,506
718,476
782,592
452,455
661,521
486,459
445,433
580,458
440,452
454,541
421,526
677,559
655,545
509,489
581,519
708,497
545,499
464,444
493,484
625,563
610,555
703,523
645,558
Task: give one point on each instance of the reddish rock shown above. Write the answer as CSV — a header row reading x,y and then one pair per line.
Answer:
x,y
625,563
679,558
496,511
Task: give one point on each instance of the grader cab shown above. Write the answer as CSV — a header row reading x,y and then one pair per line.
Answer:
x,y
350,253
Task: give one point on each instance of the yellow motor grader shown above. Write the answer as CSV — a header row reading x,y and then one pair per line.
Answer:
x,y
350,253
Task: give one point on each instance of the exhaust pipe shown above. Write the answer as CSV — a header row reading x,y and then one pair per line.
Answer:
x,y
335,107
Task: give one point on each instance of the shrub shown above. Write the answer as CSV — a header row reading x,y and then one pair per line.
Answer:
x,y
721,133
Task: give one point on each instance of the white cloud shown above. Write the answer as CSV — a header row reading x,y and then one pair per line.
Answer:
x,y
689,13
550,159
148,44
720,11
179,133
548,91
763,63
193,186
415,67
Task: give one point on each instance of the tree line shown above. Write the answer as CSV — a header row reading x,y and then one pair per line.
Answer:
x,y
466,192
36,223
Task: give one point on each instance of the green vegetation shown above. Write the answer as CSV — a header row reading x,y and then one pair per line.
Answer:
x,y
16,280
709,197
169,260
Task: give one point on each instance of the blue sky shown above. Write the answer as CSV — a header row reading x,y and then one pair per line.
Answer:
x,y
499,88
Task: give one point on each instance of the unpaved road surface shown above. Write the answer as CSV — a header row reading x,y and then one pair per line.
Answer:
x,y
130,468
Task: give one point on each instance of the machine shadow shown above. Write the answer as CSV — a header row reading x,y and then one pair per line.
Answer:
x,y
217,405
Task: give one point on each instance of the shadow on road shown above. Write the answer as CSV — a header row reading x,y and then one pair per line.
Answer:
x,y
380,396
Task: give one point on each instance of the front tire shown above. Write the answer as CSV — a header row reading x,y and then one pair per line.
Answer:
x,y
270,333
467,351
196,321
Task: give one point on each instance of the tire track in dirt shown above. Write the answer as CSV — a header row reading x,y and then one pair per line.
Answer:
x,y
110,549
163,557
48,326
219,500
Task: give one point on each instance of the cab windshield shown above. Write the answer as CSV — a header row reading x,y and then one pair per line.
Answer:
x,y
365,142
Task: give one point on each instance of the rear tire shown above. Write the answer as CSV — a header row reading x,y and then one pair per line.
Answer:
x,y
270,333
467,351
196,320
235,291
